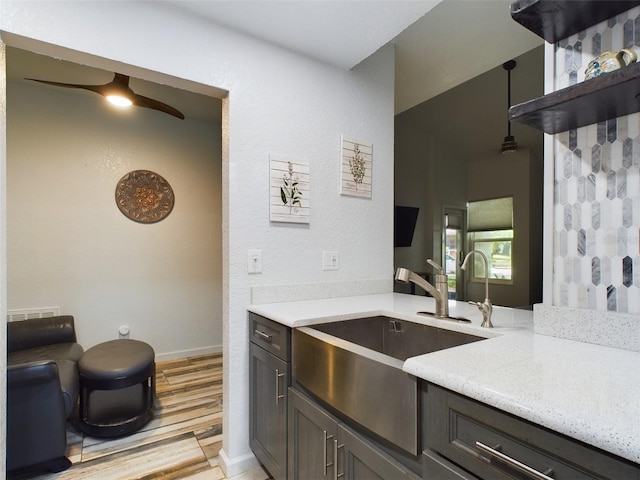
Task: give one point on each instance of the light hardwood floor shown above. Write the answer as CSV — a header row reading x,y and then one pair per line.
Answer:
x,y
182,441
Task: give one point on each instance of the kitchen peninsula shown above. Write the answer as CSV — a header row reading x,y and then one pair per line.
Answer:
x,y
584,391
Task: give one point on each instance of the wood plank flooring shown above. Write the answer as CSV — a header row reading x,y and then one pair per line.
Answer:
x,y
182,440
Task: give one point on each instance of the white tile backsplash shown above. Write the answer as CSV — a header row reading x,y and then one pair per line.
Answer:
x,y
597,187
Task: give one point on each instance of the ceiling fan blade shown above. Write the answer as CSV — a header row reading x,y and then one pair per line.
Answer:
x,y
146,102
120,83
93,88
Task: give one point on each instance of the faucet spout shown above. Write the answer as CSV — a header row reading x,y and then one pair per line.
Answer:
x,y
440,292
485,307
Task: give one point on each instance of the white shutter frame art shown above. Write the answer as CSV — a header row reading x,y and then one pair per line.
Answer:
x,y
356,167
289,190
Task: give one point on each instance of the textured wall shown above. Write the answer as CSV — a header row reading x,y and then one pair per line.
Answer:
x,y
3,257
278,103
597,187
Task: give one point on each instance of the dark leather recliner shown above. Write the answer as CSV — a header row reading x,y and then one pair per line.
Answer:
x,y
42,391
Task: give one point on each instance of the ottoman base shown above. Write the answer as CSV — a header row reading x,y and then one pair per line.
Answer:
x,y
117,388
115,413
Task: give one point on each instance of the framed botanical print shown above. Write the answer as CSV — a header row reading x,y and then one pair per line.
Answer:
x,y
289,190
355,167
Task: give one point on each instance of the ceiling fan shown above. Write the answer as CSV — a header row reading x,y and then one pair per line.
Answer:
x,y
119,93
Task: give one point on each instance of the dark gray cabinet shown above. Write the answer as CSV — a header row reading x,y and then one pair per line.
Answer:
x,y
322,447
468,439
312,439
362,461
269,373
436,467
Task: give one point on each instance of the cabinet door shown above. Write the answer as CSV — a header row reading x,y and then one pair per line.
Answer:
x,y
269,380
312,435
439,468
360,460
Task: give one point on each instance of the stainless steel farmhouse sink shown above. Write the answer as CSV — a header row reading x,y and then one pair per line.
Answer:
x,y
355,366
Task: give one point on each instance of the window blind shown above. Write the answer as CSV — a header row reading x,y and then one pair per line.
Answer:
x,y
495,214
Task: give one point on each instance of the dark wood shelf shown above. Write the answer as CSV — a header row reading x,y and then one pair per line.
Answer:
x,y
554,20
609,96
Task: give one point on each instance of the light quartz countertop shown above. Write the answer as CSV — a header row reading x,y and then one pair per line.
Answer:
x,y
588,392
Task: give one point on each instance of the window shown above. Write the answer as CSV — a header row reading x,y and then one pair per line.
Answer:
x,y
490,230
496,245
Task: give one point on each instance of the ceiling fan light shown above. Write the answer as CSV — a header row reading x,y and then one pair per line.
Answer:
x,y
119,100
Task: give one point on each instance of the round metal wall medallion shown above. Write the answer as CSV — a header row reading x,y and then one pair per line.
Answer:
x,y
144,196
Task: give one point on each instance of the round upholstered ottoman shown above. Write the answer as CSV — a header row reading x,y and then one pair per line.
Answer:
x,y
117,387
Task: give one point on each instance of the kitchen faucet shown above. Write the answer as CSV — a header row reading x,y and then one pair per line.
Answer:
x,y
440,292
485,307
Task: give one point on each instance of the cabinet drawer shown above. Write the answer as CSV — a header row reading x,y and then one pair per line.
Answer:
x,y
272,336
458,428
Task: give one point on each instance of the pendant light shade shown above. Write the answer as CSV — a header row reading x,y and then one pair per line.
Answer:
x,y
509,145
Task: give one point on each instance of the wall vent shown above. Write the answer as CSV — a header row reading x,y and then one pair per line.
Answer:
x,y
30,313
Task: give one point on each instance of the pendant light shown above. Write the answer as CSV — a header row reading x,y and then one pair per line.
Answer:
x,y
509,145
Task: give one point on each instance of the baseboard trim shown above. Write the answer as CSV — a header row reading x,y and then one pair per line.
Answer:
x,y
188,353
238,465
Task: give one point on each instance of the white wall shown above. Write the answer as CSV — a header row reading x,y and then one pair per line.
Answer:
x,y
278,103
68,244
3,254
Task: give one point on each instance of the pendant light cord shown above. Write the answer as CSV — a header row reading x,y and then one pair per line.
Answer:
x,y
508,66
508,100
509,145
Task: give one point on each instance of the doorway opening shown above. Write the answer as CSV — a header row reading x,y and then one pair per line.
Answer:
x,y
82,59
453,250
84,146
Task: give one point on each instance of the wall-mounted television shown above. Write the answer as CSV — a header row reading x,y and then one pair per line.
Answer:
x,y
404,225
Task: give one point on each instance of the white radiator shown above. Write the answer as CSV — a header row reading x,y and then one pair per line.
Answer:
x,y
30,313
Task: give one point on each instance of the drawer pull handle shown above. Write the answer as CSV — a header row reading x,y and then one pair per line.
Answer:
x,y
278,377
533,473
266,336
335,460
324,453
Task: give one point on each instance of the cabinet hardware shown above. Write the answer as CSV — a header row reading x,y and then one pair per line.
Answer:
x,y
521,467
335,459
324,453
266,336
278,396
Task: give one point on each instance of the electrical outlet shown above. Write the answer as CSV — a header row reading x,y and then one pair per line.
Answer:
x,y
123,331
254,261
330,260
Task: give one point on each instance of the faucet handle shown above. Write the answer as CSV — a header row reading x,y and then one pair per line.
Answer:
x,y
436,266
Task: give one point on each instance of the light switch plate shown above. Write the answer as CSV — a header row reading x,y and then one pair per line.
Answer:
x,y
330,260
254,261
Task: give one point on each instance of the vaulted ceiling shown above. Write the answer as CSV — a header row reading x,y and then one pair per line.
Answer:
x,y
439,44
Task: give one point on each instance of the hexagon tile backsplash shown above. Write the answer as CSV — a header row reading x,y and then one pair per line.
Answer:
x,y
596,250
